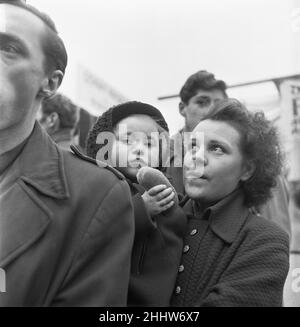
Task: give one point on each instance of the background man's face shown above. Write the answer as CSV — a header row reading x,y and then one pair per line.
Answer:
x,y
21,65
199,106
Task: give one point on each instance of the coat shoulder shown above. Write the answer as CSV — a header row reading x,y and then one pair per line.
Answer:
x,y
258,225
96,163
85,175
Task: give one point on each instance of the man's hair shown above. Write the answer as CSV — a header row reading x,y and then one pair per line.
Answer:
x,y
259,144
67,111
202,80
53,46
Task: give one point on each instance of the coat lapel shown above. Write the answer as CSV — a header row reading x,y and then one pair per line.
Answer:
x,y
24,217
23,221
42,165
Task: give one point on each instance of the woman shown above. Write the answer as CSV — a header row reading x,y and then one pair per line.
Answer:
x,y
231,256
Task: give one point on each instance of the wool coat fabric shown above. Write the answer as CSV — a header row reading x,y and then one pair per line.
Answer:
x,y
64,241
231,258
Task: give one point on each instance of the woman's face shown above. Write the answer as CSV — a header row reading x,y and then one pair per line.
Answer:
x,y
213,164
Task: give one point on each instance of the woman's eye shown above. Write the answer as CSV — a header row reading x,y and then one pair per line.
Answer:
x,y
10,48
217,149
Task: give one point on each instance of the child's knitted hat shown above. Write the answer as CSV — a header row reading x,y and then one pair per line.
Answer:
x,y
110,118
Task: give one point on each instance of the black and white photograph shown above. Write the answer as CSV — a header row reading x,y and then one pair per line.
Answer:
x,y
149,156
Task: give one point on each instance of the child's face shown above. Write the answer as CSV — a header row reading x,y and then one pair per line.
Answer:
x,y
134,147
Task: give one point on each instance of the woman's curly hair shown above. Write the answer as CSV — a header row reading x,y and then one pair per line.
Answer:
x,y
259,144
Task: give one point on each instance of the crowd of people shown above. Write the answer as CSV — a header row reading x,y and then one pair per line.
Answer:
x,y
78,227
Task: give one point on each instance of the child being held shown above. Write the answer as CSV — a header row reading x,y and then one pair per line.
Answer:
x,y
135,143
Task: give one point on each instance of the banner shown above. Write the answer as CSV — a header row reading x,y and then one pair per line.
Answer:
x,y
289,126
95,95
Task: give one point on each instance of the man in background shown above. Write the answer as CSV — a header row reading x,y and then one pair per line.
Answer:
x,y
198,95
59,116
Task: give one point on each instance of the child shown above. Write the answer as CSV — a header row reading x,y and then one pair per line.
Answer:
x,y
158,238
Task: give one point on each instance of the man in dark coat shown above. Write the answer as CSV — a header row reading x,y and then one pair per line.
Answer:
x,y
63,241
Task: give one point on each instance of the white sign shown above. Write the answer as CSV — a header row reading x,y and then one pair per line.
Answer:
x,y
289,125
2,281
95,95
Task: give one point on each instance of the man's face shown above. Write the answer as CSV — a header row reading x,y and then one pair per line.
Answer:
x,y
199,106
21,65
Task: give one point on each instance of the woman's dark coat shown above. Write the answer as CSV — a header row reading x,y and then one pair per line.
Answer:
x,y
231,258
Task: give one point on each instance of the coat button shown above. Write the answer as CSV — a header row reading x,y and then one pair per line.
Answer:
x,y
193,232
181,268
186,248
178,290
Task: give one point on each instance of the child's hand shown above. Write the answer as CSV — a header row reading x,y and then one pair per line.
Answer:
x,y
158,199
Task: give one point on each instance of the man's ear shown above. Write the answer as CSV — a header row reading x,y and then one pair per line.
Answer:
x,y
182,109
51,83
52,122
249,169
